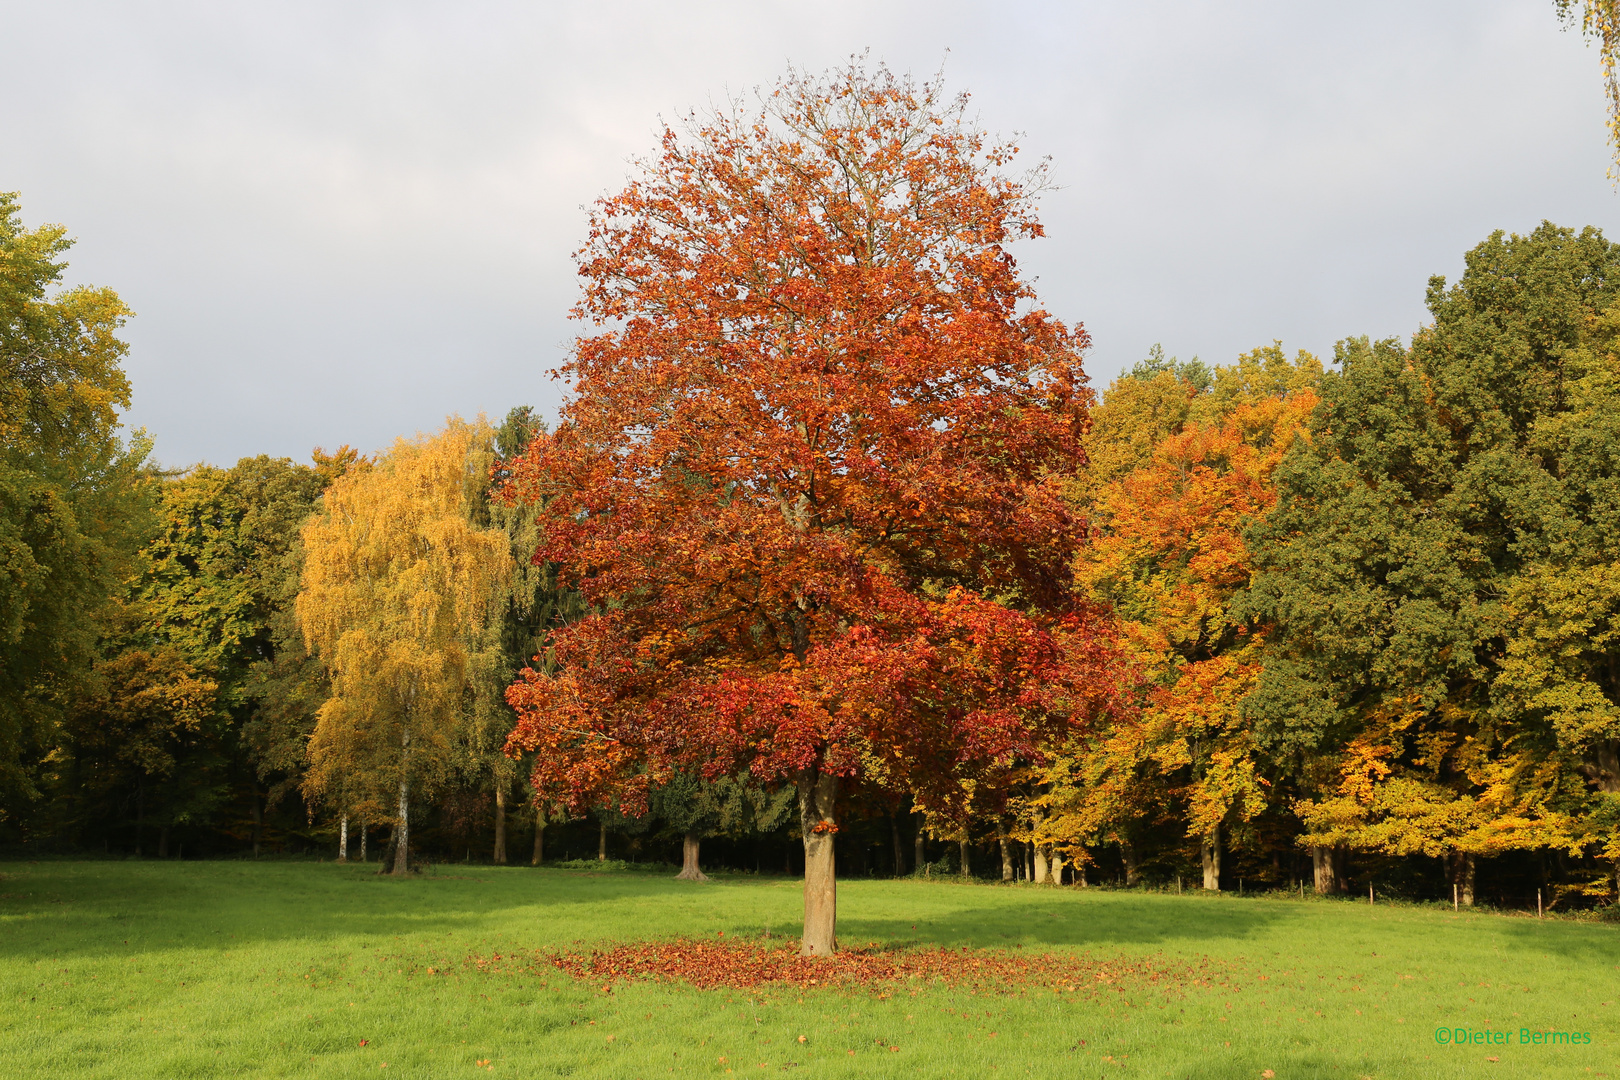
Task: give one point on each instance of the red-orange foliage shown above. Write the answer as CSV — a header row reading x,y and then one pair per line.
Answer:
x,y
811,477
753,965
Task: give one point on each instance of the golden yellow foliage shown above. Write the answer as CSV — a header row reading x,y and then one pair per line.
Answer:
x,y
399,599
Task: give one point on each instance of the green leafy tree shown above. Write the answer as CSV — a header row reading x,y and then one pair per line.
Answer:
x,y
1448,502
74,503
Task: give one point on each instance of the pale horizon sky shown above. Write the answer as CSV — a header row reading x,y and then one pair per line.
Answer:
x,y
339,223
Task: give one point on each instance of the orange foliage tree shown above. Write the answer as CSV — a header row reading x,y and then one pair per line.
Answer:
x,y
1169,557
811,477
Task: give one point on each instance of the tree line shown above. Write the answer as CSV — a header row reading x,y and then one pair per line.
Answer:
x,y
834,556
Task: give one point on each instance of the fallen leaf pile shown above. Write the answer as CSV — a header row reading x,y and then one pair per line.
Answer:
x,y
742,964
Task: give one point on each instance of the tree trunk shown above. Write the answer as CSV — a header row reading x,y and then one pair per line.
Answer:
x,y
258,822
1007,872
363,830
899,852
1210,850
601,842
1039,873
1029,862
690,870
402,831
500,824
539,839
1327,864
818,821
343,839
1057,868
966,869
1080,872
1462,876
1133,872
163,842
921,860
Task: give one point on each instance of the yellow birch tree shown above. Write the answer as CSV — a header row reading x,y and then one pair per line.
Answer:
x,y
400,598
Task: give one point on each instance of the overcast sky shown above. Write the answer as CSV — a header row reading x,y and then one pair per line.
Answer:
x,y
340,222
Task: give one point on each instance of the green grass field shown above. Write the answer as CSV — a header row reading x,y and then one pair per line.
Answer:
x,y
144,969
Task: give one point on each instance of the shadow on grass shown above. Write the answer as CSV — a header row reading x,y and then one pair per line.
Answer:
x,y
101,907
1120,922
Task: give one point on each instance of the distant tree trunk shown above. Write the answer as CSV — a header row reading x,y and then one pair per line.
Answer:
x,y
690,870
601,842
1057,867
539,839
1080,872
1328,866
1462,876
402,831
258,821
343,839
899,852
163,842
363,830
1133,873
921,851
500,824
1039,874
966,869
1007,872
1210,850
818,821
1029,862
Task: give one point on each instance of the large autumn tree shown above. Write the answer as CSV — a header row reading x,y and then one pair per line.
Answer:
x,y
810,478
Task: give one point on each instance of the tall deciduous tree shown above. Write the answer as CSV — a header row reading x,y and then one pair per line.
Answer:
x,y
811,478
400,600
1422,566
74,498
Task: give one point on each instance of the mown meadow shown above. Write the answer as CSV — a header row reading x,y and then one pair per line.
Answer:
x,y
278,968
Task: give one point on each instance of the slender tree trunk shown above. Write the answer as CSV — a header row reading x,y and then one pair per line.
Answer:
x,y
163,842
500,824
899,852
818,821
1080,872
1057,868
920,850
966,869
402,831
1039,873
539,839
343,839
1007,873
1210,850
1029,862
258,821
601,842
690,870
1133,873
363,830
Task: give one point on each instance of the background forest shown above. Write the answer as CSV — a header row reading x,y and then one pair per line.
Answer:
x,y
1288,623
1370,609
